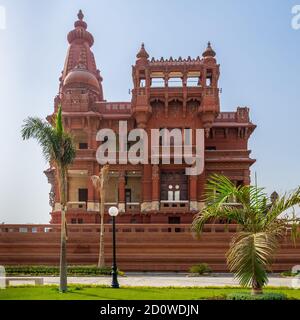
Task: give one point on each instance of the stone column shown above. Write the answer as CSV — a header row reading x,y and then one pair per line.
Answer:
x,y
247,177
121,188
201,190
147,188
193,193
155,187
91,193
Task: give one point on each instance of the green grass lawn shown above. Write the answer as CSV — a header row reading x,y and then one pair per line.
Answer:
x,y
81,292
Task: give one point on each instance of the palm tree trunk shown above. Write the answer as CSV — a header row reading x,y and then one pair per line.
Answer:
x,y
63,238
63,253
101,261
256,288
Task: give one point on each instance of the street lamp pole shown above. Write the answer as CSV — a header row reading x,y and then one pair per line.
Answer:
x,y
113,212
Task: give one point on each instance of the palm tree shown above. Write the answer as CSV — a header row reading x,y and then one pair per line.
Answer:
x,y
59,149
99,183
261,224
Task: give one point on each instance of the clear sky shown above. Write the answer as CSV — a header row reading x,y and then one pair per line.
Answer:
x,y
255,44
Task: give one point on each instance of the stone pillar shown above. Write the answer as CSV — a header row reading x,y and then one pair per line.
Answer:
x,y
97,192
155,187
193,193
201,187
91,193
147,188
121,188
247,179
92,140
201,190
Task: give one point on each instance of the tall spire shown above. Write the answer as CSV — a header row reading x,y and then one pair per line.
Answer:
x,y
79,55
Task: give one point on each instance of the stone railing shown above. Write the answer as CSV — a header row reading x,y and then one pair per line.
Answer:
x,y
133,206
226,117
123,228
76,205
166,205
115,108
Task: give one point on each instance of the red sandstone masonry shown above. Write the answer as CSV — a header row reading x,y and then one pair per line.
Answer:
x,y
177,104
155,247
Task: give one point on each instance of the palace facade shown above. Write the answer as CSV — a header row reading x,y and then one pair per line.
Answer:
x,y
169,93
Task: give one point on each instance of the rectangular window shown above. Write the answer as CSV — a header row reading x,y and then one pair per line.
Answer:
x,y
83,195
175,82
193,82
157,82
210,148
73,221
208,78
83,145
80,221
142,83
128,195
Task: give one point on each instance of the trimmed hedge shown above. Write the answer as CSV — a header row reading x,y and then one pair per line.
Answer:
x,y
263,296
54,271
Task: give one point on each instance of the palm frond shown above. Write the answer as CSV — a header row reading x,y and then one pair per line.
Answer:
x,y
219,190
257,198
282,204
230,213
43,132
67,151
248,256
59,121
57,145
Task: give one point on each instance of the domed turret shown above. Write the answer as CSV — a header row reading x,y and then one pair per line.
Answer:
x,y
209,52
142,54
80,76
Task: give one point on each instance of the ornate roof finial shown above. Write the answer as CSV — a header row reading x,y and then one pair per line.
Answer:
x,y
209,52
80,15
80,23
142,54
80,33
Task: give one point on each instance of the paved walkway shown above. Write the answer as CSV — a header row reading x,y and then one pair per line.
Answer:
x,y
164,280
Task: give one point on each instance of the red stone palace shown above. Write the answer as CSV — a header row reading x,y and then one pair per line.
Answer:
x,y
167,93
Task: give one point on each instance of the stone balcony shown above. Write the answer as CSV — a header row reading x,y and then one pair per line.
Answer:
x,y
169,206
77,205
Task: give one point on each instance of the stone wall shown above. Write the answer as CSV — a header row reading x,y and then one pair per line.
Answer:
x,y
141,247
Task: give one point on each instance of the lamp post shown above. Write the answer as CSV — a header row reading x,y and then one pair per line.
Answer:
x,y
113,212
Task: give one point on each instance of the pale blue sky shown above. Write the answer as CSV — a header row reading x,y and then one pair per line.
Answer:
x,y
255,44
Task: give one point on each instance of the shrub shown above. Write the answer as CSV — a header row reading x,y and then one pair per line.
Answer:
x,y
201,268
54,270
263,296
290,273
